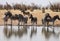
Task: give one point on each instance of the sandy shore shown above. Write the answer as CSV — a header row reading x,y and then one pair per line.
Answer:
x,y
35,13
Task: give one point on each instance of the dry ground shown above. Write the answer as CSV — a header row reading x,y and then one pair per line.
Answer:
x,y
35,13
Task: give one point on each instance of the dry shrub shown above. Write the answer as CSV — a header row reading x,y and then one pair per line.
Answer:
x,y
1,6
43,10
7,7
20,7
55,7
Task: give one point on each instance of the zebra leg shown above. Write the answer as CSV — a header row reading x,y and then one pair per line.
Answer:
x,y
36,22
6,23
47,26
47,29
53,23
43,22
53,26
47,23
11,23
18,24
31,23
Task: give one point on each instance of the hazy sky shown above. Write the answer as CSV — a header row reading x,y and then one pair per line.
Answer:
x,y
28,2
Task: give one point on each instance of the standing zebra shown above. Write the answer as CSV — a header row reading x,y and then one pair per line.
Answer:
x,y
7,16
33,19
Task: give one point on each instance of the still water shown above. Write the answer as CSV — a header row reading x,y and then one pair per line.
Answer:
x,y
29,33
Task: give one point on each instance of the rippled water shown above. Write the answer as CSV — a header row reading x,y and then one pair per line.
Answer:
x,y
29,33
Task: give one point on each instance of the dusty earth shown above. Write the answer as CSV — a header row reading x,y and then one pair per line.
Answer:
x,y
36,13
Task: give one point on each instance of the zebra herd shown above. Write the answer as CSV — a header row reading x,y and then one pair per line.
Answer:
x,y
48,19
21,19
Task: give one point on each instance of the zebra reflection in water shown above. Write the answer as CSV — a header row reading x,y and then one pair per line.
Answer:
x,y
33,31
8,32
50,32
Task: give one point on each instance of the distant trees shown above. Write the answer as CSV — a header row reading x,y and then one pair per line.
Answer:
x,y
1,6
16,6
7,7
43,10
34,6
55,7
19,7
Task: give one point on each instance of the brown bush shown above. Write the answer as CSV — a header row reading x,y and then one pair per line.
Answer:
x,y
7,6
43,10
1,6
17,6
55,7
20,7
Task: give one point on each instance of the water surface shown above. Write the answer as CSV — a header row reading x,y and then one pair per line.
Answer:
x,y
29,33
